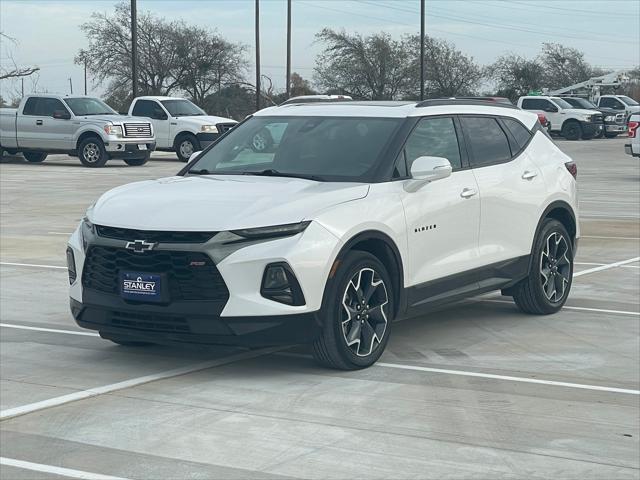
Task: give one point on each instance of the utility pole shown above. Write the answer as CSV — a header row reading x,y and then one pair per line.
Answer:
x,y
288,48
85,77
422,49
22,87
70,86
257,55
134,48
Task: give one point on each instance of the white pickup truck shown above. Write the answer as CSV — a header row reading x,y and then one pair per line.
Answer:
x,y
79,126
572,123
620,103
180,126
633,147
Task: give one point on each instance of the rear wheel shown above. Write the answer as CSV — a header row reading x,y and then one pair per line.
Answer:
x,y
546,288
136,162
185,146
571,130
357,315
91,152
34,157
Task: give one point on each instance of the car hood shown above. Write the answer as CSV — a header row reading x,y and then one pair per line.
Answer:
x,y
115,118
632,109
580,111
218,202
206,120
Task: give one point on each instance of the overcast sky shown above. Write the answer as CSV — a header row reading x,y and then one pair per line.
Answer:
x,y
608,31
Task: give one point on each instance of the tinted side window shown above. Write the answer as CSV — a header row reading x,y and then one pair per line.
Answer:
x,y
144,108
535,104
488,142
519,132
46,106
30,106
435,137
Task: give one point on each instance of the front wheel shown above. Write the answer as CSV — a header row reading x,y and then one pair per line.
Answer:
x,y
571,130
185,146
357,315
137,162
91,152
34,157
546,288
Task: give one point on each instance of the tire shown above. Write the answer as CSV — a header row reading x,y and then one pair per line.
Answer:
x,y
611,135
552,261
185,145
34,157
365,345
601,134
262,141
571,130
137,162
91,152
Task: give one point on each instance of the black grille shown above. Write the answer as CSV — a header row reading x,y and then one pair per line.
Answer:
x,y
129,235
190,275
225,127
597,119
149,322
137,130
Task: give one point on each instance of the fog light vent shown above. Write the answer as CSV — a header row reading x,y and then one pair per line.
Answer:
x,y
71,265
280,285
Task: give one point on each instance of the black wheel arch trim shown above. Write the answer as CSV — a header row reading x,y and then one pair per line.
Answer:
x,y
558,205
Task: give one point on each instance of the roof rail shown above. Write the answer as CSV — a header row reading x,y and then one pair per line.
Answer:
x,y
439,102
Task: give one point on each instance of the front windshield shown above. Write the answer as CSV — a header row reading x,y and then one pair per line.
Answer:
x,y
89,106
182,108
628,100
561,103
580,103
338,149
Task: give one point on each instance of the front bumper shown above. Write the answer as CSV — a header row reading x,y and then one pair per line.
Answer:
x,y
206,139
590,129
129,149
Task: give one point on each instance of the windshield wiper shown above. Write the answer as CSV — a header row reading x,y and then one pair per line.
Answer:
x,y
270,172
202,171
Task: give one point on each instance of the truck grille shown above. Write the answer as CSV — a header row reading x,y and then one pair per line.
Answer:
x,y
597,119
190,275
129,235
137,130
225,127
620,118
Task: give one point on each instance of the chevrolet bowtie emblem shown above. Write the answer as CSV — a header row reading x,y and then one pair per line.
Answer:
x,y
140,246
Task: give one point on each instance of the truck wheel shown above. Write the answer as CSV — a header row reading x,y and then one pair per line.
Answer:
x,y
185,145
34,157
571,130
262,141
136,162
91,152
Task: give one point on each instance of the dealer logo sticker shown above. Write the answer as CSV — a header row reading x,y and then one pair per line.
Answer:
x,y
139,286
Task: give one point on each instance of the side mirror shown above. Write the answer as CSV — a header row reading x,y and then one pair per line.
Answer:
x,y
194,155
159,115
551,109
61,115
430,168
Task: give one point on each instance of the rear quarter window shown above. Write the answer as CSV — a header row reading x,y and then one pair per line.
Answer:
x,y
488,142
30,106
519,132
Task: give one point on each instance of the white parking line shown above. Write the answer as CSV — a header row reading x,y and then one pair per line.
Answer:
x,y
610,238
605,267
567,307
134,382
63,472
597,264
51,330
32,265
508,378
60,233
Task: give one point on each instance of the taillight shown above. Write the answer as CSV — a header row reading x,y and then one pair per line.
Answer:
x,y
573,169
633,127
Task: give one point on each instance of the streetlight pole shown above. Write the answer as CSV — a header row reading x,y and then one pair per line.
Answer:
x,y
85,76
257,55
288,48
134,48
422,49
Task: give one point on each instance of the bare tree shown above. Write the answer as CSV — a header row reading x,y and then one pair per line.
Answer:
x,y
13,71
516,76
563,66
374,67
448,71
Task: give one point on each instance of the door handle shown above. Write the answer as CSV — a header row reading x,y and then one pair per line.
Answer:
x,y
527,175
468,192
38,122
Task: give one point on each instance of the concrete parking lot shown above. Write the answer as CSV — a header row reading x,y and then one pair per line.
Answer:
x,y
476,390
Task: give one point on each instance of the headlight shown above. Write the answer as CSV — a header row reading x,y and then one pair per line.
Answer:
x,y
115,130
209,128
272,232
587,118
610,118
87,230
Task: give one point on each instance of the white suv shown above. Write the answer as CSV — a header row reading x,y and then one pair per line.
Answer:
x,y
359,214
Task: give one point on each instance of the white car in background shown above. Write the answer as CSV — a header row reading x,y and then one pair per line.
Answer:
x,y
359,214
180,126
